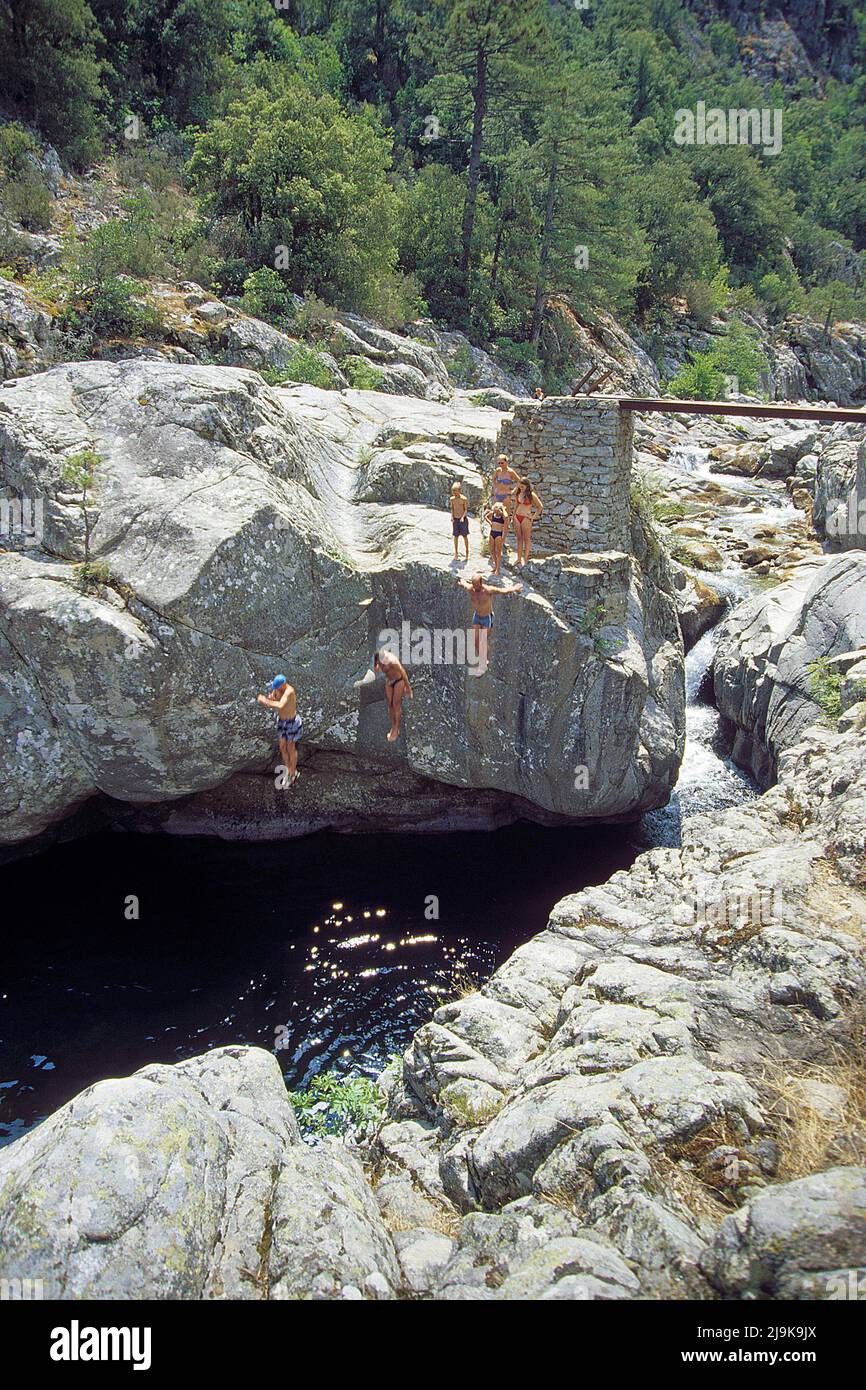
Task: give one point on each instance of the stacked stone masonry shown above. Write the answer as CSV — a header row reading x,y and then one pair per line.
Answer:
x,y
577,453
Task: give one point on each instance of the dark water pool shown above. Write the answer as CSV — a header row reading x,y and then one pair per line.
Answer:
x,y
321,944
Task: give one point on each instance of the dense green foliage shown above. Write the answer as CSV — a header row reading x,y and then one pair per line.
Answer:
x,y
734,361
501,164
336,1105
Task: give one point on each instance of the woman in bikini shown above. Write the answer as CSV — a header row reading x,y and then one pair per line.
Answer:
x,y
504,478
527,509
396,686
497,518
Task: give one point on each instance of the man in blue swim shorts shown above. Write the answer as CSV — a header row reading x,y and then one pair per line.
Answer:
x,y
283,699
482,618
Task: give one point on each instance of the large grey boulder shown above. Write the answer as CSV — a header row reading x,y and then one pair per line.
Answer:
x,y
389,351
699,606
834,362
250,342
189,1181
839,511
787,374
26,331
469,365
799,1240
238,530
763,674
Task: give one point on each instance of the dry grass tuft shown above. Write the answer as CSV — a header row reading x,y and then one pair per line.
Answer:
x,y
819,1115
445,1223
707,1186
574,1200
463,984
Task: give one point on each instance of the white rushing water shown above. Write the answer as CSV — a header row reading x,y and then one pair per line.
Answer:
x,y
708,780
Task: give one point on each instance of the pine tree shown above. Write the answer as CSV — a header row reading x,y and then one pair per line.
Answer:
x,y
480,40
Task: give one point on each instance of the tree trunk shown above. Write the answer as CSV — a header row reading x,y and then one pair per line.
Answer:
x,y
494,269
544,253
23,93
479,93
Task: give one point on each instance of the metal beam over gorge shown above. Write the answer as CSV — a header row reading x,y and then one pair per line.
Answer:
x,y
829,414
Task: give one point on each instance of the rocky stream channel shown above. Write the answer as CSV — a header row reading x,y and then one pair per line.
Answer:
x,y
659,1094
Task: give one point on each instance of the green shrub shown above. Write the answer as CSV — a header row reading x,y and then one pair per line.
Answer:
x,y
835,302
94,299
335,1105
363,376
143,162
265,296
315,318
109,310
26,200
229,274
300,171
781,294
94,573
19,151
394,299
303,365
461,367
699,299
825,688
521,358
743,300
14,251
706,298
127,245
24,195
698,380
737,354
50,71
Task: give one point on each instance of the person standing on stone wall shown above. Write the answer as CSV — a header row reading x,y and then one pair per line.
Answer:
x,y
459,519
497,518
504,478
527,509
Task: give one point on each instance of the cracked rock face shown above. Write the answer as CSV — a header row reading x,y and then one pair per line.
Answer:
x,y
763,672
627,1063
839,511
239,530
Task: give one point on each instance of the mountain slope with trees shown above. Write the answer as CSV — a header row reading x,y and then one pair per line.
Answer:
x,y
499,166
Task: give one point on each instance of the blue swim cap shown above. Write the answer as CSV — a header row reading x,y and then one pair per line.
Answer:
x,y
277,682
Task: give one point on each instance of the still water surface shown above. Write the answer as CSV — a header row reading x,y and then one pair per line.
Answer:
x,y
325,939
